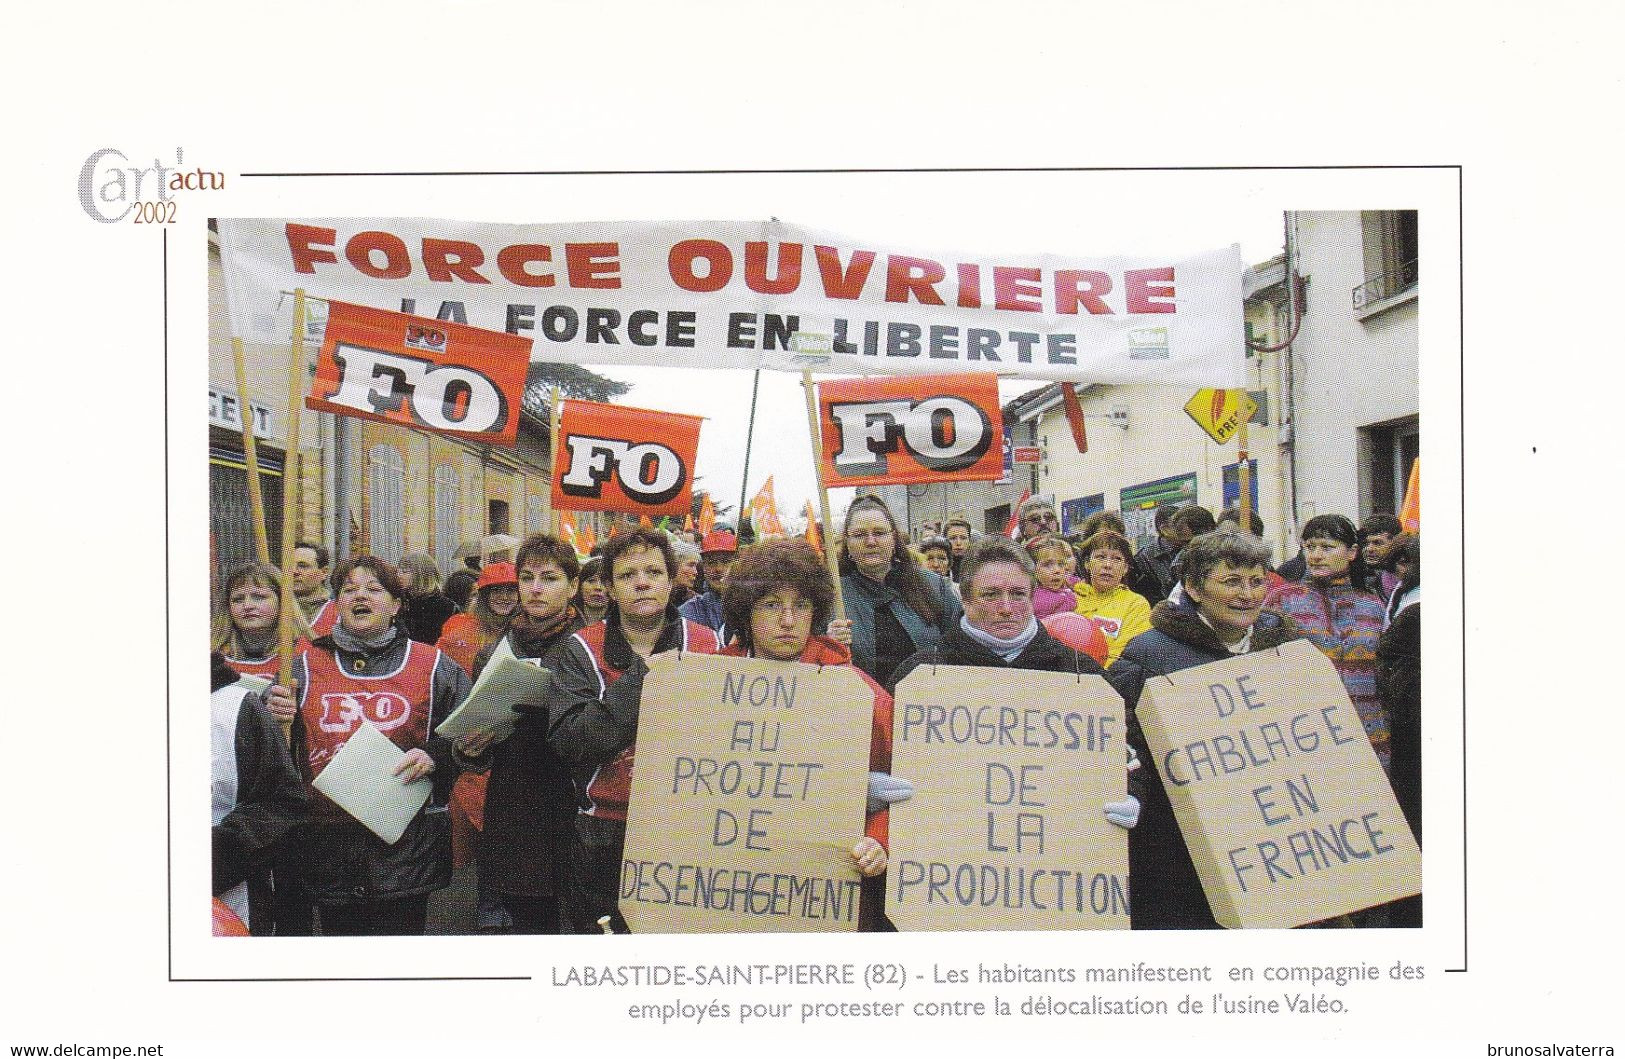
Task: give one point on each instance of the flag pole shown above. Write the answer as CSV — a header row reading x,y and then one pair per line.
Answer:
x,y
555,520
750,431
831,558
256,500
1244,476
290,497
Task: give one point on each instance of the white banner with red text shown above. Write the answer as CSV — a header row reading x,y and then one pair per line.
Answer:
x,y
740,294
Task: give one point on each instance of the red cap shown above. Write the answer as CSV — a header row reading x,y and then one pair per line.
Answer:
x,y
497,574
719,541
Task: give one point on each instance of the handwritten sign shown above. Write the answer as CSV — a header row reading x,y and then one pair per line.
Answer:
x,y
1006,829
1286,811
747,798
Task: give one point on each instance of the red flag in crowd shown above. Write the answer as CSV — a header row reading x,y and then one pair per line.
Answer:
x,y
1015,515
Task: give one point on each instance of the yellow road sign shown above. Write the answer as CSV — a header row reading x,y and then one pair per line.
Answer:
x,y
1220,412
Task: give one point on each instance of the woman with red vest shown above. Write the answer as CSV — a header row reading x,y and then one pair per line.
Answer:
x,y
778,592
245,628
596,740
466,634
367,669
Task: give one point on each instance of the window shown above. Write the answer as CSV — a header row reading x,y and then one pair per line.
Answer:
x,y
1389,451
1391,251
386,497
448,516
498,516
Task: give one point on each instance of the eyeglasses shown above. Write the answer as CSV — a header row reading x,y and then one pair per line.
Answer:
x,y
778,608
1042,520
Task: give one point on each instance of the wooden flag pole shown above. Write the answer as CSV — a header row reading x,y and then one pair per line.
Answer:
x,y
556,520
256,500
1244,476
831,558
290,497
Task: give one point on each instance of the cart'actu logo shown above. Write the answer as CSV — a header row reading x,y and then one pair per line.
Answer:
x,y
649,472
343,711
944,433
440,397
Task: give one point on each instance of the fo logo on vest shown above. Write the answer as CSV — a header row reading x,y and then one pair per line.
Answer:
x,y
343,711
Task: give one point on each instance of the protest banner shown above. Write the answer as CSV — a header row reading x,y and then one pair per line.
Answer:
x,y
416,372
747,797
761,295
918,429
633,460
1006,829
1285,809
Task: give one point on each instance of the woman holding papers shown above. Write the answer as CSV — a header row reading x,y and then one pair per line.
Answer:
x,y
529,803
896,606
778,592
1224,574
368,672
246,625
594,724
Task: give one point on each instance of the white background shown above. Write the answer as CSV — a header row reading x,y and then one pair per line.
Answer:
x,y
1524,102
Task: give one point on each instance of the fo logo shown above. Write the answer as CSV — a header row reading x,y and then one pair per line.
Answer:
x,y
943,433
439,396
419,336
648,472
343,711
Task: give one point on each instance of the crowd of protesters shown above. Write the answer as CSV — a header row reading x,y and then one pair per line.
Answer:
x,y
541,813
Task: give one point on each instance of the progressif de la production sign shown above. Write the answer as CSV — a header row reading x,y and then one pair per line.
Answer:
x,y
1006,829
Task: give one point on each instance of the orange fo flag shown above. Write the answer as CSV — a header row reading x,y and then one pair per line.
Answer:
x,y
1410,512
633,460
911,429
708,515
415,372
764,512
815,535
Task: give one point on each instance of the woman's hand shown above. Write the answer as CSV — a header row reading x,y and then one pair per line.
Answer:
x,y
869,856
415,765
840,630
279,702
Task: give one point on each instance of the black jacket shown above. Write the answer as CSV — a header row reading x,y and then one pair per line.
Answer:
x,y
1399,685
529,800
1045,654
1151,574
341,862
1165,892
270,801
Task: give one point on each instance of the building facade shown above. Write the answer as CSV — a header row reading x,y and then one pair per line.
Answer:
x,y
1333,372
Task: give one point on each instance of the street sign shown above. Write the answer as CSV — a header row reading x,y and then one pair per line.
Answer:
x,y
1220,413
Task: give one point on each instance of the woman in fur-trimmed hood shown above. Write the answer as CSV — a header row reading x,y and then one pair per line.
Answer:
x,y
1225,575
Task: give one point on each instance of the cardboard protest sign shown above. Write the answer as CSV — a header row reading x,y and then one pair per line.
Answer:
x,y
747,797
925,428
422,373
743,294
1006,829
614,458
1286,811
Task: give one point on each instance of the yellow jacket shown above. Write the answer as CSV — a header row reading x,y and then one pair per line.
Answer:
x,y
1122,614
